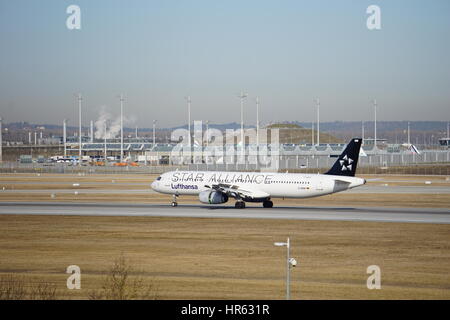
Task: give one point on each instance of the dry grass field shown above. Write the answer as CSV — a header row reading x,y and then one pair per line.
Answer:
x,y
232,259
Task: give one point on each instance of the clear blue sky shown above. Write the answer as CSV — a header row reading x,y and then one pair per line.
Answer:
x,y
285,52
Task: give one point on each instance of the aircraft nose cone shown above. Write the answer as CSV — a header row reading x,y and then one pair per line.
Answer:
x,y
153,185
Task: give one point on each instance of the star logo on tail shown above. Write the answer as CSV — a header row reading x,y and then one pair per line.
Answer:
x,y
346,163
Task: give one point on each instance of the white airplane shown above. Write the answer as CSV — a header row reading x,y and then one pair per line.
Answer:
x,y
214,187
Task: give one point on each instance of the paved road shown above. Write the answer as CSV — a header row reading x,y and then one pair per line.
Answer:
x,y
373,214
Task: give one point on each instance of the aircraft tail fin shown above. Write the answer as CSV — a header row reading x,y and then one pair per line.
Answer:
x,y
346,163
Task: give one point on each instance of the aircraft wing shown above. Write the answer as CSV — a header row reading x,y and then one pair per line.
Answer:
x,y
239,193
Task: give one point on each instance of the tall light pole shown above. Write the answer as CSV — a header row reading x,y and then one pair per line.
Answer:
x,y
188,99
65,137
104,137
79,131
242,96
448,149
448,128
318,121
121,127
312,133
205,150
290,262
207,133
409,135
1,139
375,122
257,123
154,135
362,132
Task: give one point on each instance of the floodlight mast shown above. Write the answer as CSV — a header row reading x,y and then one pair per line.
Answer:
x,y
79,131
318,121
257,132
207,133
375,123
1,139
205,150
362,132
257,123
104,137
448,128
448,131
242,96
154,135
188,100
409,136
121,127
65,137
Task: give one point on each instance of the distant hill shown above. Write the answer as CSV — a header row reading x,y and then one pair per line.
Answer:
x,y
284,125
293,133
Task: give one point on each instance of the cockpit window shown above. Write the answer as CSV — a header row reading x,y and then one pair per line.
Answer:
x,y
159,178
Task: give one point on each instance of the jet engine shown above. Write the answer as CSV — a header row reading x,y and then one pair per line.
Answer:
x,y
212,197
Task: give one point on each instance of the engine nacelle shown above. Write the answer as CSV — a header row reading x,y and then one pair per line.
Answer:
x,y
212,197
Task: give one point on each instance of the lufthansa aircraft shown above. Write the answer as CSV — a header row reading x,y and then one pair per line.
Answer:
x,y
213,187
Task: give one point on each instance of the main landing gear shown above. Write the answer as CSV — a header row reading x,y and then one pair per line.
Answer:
x,y
174,202
267,204
239,204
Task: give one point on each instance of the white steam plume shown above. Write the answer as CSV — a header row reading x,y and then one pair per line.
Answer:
x,y
112,124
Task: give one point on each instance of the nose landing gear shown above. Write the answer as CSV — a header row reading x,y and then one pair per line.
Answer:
x,y
174,202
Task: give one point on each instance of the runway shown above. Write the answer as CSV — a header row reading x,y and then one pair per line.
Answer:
x,y
125,190
368,214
